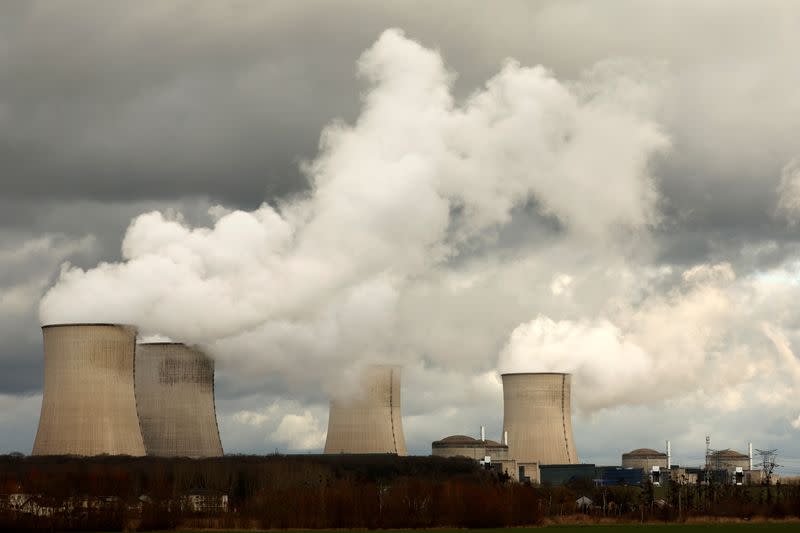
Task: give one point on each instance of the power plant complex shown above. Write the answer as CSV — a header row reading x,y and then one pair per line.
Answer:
x,y
104,394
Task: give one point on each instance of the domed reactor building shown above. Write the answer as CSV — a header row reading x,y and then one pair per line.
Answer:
x,y
89,405
370,420
537,417
175,399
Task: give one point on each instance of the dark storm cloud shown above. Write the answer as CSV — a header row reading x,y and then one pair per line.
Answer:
x,y
116,102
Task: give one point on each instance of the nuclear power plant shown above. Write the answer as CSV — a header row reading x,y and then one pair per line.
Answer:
x,y
537,416
89,405
104,394
368,421
175,399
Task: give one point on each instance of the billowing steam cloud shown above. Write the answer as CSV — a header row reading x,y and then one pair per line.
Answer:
x,y
656,351
506,231
418,187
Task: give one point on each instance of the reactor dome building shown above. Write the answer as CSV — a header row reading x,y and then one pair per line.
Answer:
x,y
369,421
175,399
537,418
89,404
646,459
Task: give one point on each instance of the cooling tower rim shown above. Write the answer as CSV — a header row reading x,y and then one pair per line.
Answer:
x,y
88,324
535,374
162,344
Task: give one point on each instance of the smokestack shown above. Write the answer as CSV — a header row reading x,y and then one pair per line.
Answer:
x,y
669,455
483,433
505,438
537,415
750,453
175,399
88,406
370,422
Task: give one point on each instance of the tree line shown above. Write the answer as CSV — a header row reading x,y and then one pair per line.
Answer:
x,y
309,492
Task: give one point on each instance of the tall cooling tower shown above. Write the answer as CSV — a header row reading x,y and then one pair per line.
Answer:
x,y
175,397
370,421
89,406
537,417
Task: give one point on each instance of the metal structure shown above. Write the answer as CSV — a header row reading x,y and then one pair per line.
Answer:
x,y
370,420
768,464
537,417
175,399
89,405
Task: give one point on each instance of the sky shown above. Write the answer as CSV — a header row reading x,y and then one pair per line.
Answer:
x,y
462,188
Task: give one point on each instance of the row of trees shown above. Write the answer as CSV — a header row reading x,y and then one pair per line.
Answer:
x,y
116,493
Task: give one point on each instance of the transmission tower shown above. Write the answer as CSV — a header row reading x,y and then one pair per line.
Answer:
x,y
768,463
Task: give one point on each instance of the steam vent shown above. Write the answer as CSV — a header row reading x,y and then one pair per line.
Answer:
x,y
537,417
370,422
175,398
89,406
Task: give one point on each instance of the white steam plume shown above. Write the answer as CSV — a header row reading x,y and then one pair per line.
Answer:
x,y
419,183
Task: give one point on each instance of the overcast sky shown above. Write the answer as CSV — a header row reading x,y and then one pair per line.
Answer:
x,y
609,189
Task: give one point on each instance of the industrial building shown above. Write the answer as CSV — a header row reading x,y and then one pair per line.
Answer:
x,y
556,474
89,404
646,459
655,465
732,466
175,400
728,460
492,455
537,419
368,421
616,475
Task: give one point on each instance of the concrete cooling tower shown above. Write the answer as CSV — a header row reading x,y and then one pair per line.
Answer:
x,y
537,418
369,421
175,398
89,406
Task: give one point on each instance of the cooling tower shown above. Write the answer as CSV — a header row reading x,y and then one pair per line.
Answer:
x,y
369,421
537,417
175,398
89,406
